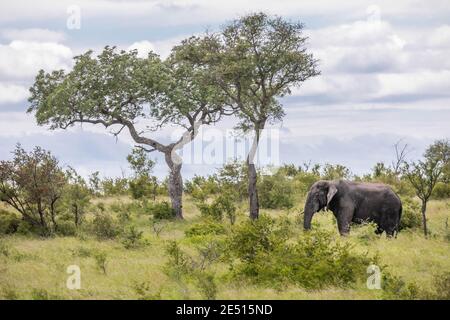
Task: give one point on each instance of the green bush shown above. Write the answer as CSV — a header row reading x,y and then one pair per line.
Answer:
x,y
275,192
441,191
9,222
261,252
395,288
132,238
105,227
205,228
207,285
161,210
221,206
101,259
411,216
67,228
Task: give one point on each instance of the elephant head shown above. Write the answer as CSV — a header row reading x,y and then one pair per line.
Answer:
x,y
319,196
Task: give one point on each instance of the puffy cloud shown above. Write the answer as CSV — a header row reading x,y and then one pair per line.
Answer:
x,y
22,59
11,93
34,34
142,47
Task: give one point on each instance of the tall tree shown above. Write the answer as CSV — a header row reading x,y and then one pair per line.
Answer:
x,y
255,61
121,90
424,174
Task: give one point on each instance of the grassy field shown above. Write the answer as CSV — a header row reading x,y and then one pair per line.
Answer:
x,y
35,268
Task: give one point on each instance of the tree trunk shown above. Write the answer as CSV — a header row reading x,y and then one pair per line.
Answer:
x,y
252,178
253,191
175,185
424,218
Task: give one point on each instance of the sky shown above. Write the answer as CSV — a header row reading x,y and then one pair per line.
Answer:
x,y
385,75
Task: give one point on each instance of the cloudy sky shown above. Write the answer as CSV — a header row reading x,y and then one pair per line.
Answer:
x,y
385,73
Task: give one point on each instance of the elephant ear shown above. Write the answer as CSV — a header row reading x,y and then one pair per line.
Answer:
x,y
331,192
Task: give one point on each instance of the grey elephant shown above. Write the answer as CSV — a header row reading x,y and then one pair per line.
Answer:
x,y
355,202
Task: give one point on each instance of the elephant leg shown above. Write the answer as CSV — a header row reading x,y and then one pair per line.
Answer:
x,y
343,221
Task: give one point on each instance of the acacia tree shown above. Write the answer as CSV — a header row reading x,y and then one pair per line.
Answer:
x,y
32,183
424,174
255,61
121,90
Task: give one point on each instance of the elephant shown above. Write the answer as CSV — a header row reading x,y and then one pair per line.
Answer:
x,y
355,202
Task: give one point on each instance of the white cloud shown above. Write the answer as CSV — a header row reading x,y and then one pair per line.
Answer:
x,y
143,48
34,34
440,37
161,47
11,93
22,59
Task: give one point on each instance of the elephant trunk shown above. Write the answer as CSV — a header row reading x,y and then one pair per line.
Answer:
x,y
309,212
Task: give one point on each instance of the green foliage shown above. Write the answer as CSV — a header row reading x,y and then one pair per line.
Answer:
x,y
303,181
144,187
220,207
411,216
161,210
208,227
207,285
395,288
105,227
32,183
178,263
276,192
114,186
76,196
132,237
441,191
261,252
67,228
200,188
9,223
140,163
144,292
101,259
333,172
143,184
232,179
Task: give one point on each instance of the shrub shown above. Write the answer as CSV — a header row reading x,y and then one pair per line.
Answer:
x,y
67,228
441,191
114,186
32,183
221,206
178,264
161,210
132,237
105,227
8,222
275,192
207,285
260,252
395,288
101,259
205,228
144,292
411,216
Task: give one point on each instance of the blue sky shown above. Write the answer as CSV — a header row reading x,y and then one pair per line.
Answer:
x,y
385,74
